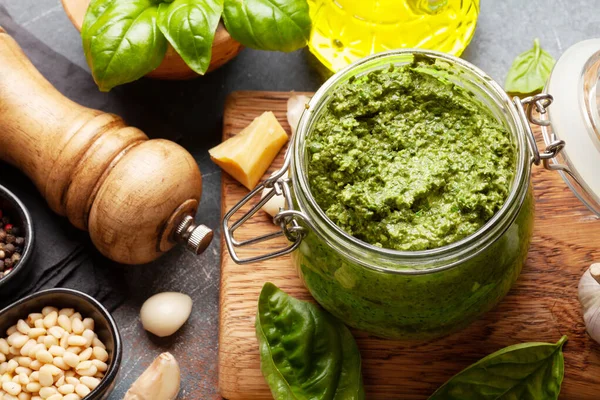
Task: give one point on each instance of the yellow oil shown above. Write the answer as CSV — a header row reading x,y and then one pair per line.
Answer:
x,y
346,30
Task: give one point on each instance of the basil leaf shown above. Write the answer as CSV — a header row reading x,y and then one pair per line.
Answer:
x,y
121,41
523,371
530,71
305,353
190,25
276,25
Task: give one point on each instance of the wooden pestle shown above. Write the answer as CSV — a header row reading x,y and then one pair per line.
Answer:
x,y
136,197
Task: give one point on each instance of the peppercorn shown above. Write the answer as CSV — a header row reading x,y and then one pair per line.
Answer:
x,y
11,245
9,249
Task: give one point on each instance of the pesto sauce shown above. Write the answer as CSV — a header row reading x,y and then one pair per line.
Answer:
x,y
406,160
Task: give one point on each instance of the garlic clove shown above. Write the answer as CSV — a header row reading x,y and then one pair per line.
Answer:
x,y
589,297
295,107
276,202
164,313
160,381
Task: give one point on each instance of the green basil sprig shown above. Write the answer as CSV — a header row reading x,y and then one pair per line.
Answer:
x,y
305,353
190,26
530,71
522,371
279,25
123,40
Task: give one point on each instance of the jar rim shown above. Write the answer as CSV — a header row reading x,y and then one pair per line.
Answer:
x,y
456,252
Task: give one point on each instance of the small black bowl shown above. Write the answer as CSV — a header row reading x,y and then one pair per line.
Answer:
x,y
105,326
12,207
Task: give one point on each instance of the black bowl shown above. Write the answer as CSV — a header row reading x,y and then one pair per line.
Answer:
x,y
105,326
12,207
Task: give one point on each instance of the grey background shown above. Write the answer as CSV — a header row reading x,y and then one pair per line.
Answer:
x,y
505,28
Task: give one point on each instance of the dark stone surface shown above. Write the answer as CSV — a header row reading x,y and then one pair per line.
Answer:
x,y
191,112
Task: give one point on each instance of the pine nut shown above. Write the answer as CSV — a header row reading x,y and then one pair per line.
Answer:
x,y
66,388
86,354
20,341
88,323
100,354
35,365
47,310
50,341
52,369
71,396
60,381
2,358
90,382
39,323
64,340
91,371
15,336
11,388
35,376
23,370
73,349
88,334
4,346
56,331
24,396
56,396
27,347
64,322
23,327
44,356
33,387
82,390
60,363
34,350
76,340
46,378
100,365
31,318
23,379
12,365
77,326
66,312
72,380
46,392
35,333
11,330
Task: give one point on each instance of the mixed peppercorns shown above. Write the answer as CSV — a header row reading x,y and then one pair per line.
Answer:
x,y
11,245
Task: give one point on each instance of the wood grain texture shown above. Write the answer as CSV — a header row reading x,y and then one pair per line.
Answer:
x,y
542,305
224,47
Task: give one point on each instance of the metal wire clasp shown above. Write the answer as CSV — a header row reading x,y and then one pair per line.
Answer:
x,y
287,218
525,109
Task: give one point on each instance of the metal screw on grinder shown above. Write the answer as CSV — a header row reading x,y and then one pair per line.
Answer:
x,y
195,237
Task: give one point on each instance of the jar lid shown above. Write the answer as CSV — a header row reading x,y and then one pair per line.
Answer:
x,y
575,118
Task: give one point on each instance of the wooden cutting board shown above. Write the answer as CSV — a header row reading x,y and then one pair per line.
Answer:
x,y
542,306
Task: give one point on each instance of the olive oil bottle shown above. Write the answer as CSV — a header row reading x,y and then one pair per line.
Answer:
x,y
346,30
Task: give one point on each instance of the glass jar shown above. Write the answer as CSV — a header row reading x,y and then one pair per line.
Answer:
x,y
414,294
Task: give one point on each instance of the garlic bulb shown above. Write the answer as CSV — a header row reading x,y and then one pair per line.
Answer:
x,y
589,297
159,382
295,107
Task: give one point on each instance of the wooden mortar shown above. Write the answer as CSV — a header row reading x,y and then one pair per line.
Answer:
x,y
224,47
136,197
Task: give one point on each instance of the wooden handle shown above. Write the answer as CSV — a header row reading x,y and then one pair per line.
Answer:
x,y
129,192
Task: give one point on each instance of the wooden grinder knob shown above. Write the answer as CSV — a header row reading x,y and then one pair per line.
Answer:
x,y
136,197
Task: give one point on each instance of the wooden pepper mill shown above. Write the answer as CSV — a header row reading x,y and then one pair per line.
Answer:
x,y
136,197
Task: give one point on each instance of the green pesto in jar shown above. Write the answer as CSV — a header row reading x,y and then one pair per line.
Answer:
x,y
406,160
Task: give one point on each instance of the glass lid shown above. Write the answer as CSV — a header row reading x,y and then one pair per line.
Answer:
x,y
575,118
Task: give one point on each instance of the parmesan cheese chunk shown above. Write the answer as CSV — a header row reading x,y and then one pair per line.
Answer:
x,y
248,155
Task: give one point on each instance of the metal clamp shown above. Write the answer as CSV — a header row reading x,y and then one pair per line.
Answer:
x,y
525,109
287,218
